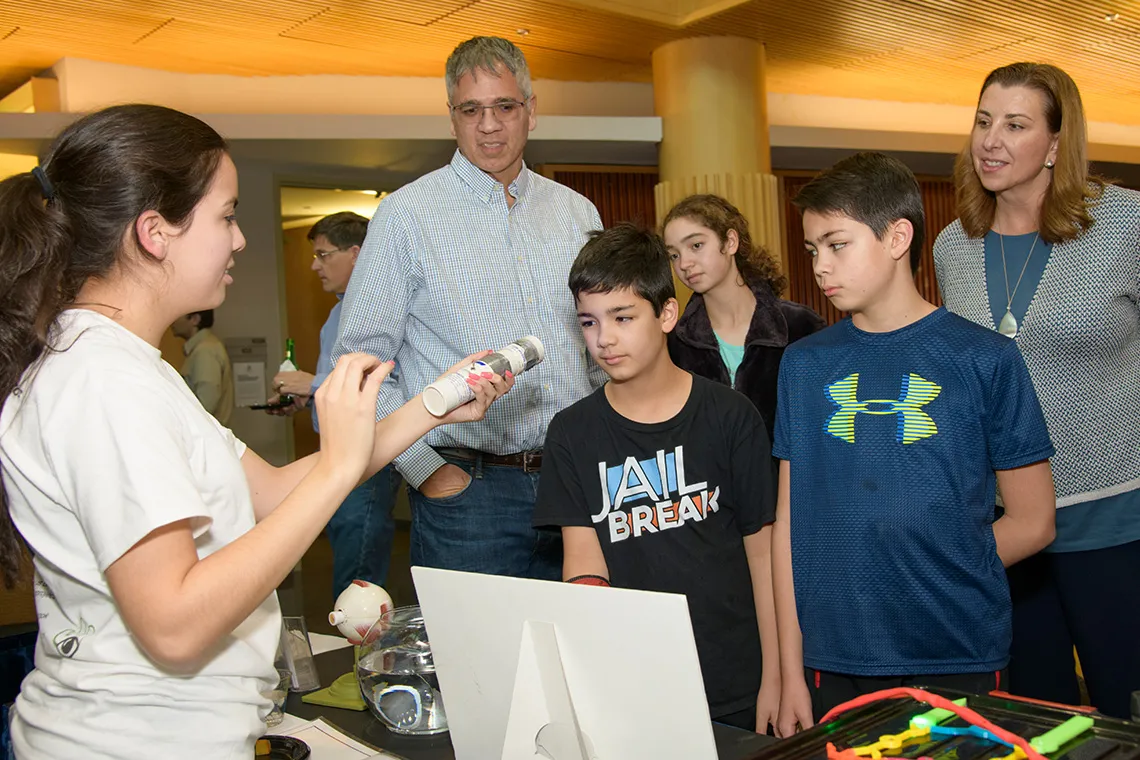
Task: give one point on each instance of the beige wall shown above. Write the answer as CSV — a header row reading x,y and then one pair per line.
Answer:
x,y
253,306
811,121
85,85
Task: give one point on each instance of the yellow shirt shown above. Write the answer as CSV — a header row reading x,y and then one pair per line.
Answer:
x,y
208,373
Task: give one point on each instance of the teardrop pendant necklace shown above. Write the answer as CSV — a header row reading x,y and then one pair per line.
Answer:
x,y
1008,325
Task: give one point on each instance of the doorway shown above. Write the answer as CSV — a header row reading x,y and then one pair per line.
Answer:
x,y
307,305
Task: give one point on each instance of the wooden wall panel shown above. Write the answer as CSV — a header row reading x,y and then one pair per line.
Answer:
x,y
938,202
18,604
621,193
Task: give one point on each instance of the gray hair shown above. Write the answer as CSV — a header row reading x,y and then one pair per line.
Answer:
x,y
486,54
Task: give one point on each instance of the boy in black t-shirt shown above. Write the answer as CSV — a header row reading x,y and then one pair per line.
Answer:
x,y
662,481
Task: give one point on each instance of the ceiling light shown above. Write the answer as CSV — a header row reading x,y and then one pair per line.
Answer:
x,y
1111,16
523,32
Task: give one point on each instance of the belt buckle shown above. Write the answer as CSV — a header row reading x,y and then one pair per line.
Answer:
x,y
528,459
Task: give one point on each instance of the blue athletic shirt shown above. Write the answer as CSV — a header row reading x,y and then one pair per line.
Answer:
x,y
893,439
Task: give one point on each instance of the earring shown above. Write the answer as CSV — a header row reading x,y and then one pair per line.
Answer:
x,y
1048,164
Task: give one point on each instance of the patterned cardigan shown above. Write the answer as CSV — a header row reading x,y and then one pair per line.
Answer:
x,y
1080,339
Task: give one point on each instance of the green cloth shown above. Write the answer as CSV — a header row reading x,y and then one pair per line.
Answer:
x,y
344,693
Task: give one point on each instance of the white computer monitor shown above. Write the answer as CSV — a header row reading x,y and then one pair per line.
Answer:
x,y
541,669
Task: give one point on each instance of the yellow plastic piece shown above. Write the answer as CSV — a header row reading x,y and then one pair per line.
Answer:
x,y
891,741
1017,754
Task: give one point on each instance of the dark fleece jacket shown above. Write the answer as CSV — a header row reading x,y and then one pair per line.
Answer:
x,y
775,324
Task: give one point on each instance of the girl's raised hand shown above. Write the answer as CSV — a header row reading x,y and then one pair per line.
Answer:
x,y
346,408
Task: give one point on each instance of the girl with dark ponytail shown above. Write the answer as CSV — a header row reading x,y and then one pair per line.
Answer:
x,y
32,241
157,537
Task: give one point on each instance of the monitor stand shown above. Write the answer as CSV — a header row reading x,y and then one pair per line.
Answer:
x,y
542,720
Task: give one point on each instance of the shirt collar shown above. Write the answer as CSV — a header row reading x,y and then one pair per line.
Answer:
x,y
194,340
483,184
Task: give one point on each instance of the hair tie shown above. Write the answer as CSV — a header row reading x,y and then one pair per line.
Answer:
x,y
45,184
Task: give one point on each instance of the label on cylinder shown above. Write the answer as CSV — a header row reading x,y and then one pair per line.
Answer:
x,y
452,391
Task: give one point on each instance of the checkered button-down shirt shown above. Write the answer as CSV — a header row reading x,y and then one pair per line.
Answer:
x,y
449,269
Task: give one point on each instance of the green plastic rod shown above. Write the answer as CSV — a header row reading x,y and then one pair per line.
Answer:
x,y
1053,740
935,716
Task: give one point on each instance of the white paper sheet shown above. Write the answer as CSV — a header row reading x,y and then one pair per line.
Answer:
x,y
326,742
249,383
323,642
290,723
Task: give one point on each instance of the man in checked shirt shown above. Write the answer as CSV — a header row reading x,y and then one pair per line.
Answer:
x,y
469,258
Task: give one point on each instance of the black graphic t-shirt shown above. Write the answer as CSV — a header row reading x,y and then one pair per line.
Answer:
x,y
671,503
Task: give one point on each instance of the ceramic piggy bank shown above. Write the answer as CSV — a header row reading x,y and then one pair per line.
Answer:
x,y
357,608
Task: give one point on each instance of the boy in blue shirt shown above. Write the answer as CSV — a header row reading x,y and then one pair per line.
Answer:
x,y
661,480
893,428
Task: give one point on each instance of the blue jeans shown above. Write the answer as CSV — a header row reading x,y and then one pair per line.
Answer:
x,y
486,528
361,531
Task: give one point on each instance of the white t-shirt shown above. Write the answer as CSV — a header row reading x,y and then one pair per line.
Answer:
x,y
102,446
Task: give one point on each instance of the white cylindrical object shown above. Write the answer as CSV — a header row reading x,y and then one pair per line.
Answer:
x,y
452,391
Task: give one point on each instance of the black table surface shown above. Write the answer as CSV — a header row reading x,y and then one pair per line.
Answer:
x,y
731,743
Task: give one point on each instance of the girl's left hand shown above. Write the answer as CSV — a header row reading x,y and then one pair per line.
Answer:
x,y
346,407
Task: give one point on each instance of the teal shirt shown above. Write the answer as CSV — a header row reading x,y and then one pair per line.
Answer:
x,y
1017,250
1098,524
731,355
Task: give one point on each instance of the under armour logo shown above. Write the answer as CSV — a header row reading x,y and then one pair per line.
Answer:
x,y
913,423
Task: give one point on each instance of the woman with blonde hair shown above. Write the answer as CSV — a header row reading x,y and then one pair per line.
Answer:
x,y
735,327
1048,254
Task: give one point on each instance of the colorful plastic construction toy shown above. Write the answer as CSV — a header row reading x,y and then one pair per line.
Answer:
x,y
927,726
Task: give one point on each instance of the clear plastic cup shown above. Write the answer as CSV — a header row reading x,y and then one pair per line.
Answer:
x,y
299,654
277,696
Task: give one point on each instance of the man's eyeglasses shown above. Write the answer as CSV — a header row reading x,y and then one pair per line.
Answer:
x,y
322,255
504,110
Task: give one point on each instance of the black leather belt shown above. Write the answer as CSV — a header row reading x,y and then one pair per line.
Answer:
x,y
529,461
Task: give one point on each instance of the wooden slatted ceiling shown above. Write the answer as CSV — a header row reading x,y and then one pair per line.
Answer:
x,y
909,50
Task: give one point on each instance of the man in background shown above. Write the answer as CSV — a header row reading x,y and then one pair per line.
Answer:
x,y
206,368
361,530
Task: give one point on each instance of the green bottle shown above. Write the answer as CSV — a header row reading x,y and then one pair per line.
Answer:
x,y
288,365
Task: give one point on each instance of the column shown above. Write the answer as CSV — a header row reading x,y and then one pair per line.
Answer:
x,y
710,95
